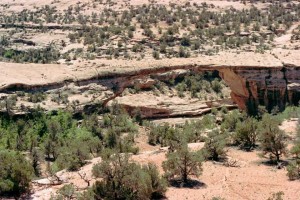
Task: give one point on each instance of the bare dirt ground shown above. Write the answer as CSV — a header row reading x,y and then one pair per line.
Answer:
x,y
284,39
252,178
290,126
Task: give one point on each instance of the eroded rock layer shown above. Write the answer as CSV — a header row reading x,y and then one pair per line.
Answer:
x,y
263,86
264,79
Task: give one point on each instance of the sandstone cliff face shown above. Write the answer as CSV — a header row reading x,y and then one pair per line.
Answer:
x,y
250,87
149,105
261,80
292,76
263,86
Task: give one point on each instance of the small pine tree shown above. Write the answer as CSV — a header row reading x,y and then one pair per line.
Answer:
x,y
36,159
123,179
215,143
155,55
182,163
246,133
272,138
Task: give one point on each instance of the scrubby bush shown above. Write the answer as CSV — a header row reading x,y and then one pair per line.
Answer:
x,y
246,133
155,55
123,179
293,170
66,192
216,86
183,163
8,103
36,97
15,173
231,120
214,146
160,134
276,196
272,139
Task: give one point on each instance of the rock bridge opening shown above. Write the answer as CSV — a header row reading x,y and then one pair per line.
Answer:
x,y
247,86
250,87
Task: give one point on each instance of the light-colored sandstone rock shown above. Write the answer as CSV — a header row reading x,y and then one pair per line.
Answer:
x,y
264,79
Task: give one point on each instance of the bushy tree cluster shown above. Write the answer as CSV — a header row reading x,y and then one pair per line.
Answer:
x,y
124,179
47,55
15,173
183,163
272,138
294,166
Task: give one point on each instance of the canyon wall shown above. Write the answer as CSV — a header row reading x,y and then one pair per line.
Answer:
x,y
262,80
263,86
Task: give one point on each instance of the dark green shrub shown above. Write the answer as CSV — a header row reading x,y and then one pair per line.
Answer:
x,y
36,97
246,133
15,173
122,179
182,163
272,138
155,55
215,143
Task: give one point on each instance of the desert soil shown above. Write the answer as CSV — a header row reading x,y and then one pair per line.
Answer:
x,y
251,179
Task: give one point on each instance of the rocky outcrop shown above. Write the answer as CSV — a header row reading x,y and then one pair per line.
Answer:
x,y
292,75
263,86
148,105
179,73
254,79
38,26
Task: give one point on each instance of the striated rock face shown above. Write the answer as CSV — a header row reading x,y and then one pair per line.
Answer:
x,y
292,76
263,86
151,106
250,87
254,79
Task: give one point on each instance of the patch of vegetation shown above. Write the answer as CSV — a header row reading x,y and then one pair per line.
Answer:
x,y
293,169
246,133
15,173
215,143
272,138
36,97
188,30
58,136
183,163
47,55
121,179
201,85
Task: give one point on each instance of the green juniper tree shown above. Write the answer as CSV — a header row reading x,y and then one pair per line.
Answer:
x,y
272,139
246,133
15,173
124,179
183,163
215,143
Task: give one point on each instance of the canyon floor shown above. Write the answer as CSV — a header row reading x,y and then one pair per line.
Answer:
x,y
250,178
88,71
